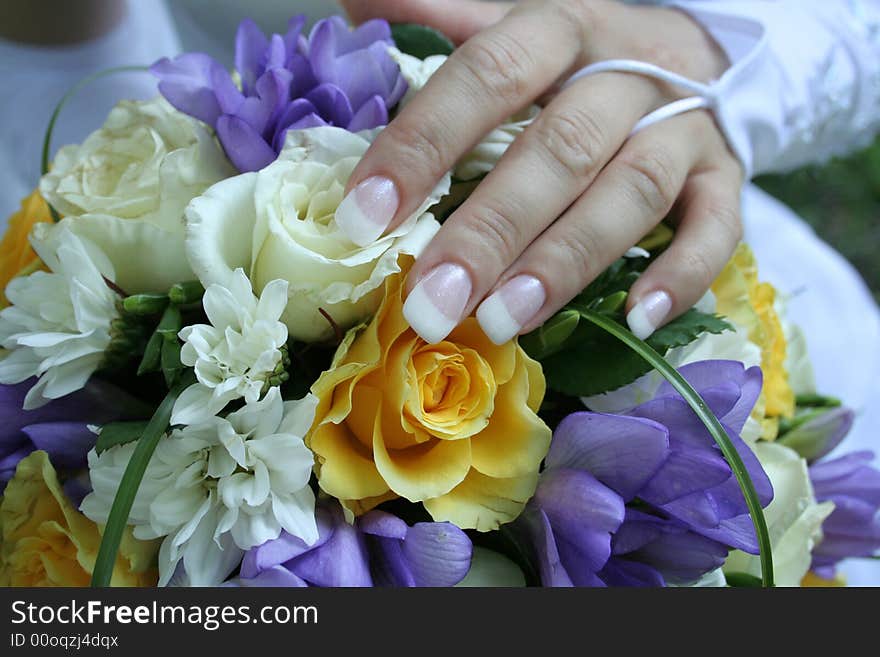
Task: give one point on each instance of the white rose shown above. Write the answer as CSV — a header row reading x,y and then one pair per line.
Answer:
x,y
126,186
488,152
279,223
794,519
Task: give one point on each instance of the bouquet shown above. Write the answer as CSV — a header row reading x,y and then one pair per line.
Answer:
x,y
204,382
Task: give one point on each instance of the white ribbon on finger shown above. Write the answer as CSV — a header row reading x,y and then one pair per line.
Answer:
x,y
705,96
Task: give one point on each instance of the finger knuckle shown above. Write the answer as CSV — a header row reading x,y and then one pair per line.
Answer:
x,y
697,269
499,63
496,232
574,141
583,15
728,219
418,147
578,253
652,180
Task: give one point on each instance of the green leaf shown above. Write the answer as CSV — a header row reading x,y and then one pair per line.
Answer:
x,y
594,362
171,365
420,40
817,401
152,355
551,337
170,324
709,420
131,481
742,580
119,433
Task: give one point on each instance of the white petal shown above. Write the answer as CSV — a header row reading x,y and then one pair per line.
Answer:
x,y
192,405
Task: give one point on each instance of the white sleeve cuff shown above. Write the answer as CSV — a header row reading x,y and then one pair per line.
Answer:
x,y
804,80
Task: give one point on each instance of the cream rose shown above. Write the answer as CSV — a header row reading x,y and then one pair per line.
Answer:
x,y
126,186
279,223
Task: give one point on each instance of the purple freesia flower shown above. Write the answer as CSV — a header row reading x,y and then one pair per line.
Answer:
x,y
335,76
379,549
646,497
853,528
59,428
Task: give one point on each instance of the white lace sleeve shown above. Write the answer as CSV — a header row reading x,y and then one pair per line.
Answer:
x,y
804,84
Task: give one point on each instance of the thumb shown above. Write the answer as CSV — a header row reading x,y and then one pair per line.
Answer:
x,y
457,19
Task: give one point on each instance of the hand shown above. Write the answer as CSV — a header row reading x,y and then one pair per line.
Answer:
x,y
574,192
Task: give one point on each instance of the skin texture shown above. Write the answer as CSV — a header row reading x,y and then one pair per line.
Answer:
x,y
574,192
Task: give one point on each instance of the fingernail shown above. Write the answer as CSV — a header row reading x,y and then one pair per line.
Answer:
x,y
368,209
436,304
503,314
649,313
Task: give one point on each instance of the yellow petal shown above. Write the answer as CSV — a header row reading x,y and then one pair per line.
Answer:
x,y
345,467
422,471
483,503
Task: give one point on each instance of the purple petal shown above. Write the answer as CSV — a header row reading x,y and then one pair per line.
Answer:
x,y
382,524
187,82
389,566
621,452
638,529
372,114
246,149
67,443
228,96
550,566
275,577
706,374
751,385
360,74
341,561
686,470
280,550
438,553
331,104
276,54
583,513
817,437
851,474
738,533
365,35
250,50
292,36
681,556
622,572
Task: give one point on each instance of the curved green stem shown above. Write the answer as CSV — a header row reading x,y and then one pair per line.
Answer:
x,y
712,424
131,481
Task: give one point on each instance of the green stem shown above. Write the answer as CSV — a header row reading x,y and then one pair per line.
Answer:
x,y
47,140
708,418
131,481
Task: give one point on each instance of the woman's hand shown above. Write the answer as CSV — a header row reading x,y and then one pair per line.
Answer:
x,y
574,192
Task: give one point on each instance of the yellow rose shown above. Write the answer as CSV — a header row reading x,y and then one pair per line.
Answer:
x,y
452,425
16,254
750,304
47,542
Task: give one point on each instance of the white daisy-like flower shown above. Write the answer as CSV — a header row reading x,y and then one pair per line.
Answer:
x,y
238,353
58,325
217,489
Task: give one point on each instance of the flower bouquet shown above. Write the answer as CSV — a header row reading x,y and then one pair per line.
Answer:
x,y
205,382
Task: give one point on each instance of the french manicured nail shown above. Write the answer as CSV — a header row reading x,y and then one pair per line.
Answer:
x,y
649,313
368,209
503,314
436,304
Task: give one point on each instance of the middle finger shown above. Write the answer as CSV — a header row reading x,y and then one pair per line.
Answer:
x,y
542,173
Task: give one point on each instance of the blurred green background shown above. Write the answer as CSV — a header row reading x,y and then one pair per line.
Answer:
x,y
841,200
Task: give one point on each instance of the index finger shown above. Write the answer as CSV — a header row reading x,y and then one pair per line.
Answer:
x,y
492,76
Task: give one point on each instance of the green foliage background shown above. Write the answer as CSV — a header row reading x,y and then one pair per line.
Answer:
x,y
841,200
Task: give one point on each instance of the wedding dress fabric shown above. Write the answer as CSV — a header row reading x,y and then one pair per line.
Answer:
x,y
804,85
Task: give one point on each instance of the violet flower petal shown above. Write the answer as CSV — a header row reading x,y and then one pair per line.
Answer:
x,y
250,49
621,452
371,114
438,553
622,572
187,83
67,443
245,147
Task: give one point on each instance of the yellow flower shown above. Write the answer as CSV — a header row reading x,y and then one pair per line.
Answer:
x,y
750,304
16,254
47,542
452,425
